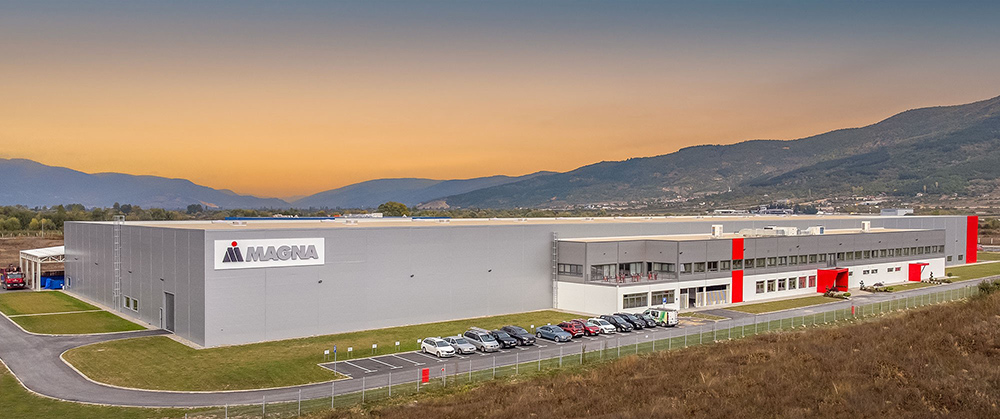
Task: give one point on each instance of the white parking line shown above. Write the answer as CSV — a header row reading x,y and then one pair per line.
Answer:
x,y
407,360
366,370
384,363
428,356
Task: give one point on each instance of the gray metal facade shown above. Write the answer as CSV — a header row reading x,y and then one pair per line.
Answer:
x,y
373,276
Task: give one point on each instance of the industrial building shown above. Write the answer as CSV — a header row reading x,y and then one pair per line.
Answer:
x,y
242,281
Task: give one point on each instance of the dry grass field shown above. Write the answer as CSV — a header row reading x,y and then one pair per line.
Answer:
x,y
11,247
931,362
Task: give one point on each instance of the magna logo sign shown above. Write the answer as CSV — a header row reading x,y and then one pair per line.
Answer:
x,y
271,253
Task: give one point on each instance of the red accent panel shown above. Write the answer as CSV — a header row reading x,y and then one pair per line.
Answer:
x,y
737,287
971,238
915,270
425,375
831,278
737,249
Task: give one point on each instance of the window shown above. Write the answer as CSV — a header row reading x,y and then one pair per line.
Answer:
x,y
791,283
803,258
131,303
802,282
865,272
771,285
635,300
662,297
882,253
738,264
857,254
135,305
771,261
664,267
783,260
760,262
927,249
128,302
748,264
812,281
699,267
960,257
685,268
906,251
713,266
782,284
892,252
567,269
812,258
760,287
949,258
724,265
850,256
841,256
898,268
874,271
792,260
822,257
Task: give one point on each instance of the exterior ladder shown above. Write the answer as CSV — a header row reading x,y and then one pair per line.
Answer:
x,y
117,222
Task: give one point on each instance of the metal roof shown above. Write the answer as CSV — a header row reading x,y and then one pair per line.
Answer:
x,y
45,252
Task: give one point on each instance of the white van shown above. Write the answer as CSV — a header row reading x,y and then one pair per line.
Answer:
x,y
663,316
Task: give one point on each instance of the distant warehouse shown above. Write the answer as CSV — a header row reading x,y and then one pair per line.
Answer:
x,y
241,281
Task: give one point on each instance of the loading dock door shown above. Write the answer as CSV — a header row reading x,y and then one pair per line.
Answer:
x,y
168,311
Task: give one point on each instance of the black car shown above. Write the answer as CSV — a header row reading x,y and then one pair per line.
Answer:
x,y
621,324
650,321
636,322
506,341
522,336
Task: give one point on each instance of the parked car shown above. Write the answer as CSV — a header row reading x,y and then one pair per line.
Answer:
x,y
589,328
518,333
650,321
506,341
606,328
10,280
437,346
621,324
572,328
554,333
636,323
461,345
663,317
482,339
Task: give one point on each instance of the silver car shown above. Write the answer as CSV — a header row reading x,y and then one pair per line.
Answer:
x,y
461,345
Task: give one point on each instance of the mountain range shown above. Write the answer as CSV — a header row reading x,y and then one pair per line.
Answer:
x,y
946,149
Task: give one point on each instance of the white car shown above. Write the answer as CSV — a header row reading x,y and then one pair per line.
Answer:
x,y
437,346
606,328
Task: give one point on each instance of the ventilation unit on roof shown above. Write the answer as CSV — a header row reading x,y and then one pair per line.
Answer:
x,y
866,226
717,231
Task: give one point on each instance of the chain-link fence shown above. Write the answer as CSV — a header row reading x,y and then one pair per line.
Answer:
x,y
368,389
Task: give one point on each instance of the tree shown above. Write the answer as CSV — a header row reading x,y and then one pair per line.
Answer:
x,y
11,224
194,209
393,209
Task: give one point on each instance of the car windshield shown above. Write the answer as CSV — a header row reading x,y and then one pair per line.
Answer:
x,y
461,341
488,338
501,334
518,330
601,322
618,319
442,343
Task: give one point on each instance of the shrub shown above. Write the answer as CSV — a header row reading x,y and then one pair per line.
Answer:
x,y
889,289
847,294
987,287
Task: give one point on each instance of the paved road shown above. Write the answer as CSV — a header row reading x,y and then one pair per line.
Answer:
x,y
35,360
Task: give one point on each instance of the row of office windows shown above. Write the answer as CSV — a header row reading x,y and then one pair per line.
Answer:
x,y
642,299
568,269
777,261
784,284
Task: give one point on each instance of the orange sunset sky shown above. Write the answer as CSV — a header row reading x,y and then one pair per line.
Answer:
x,y
286,99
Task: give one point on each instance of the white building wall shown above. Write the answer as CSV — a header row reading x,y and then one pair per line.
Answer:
x,y
588,298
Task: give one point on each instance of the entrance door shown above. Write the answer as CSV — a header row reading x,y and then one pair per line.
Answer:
x,y
168,311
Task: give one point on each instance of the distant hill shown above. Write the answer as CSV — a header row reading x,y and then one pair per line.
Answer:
x,y
409,191
948,149
25,182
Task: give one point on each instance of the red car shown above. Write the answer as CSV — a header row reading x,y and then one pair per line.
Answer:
x,y
589,329
11,280
572,328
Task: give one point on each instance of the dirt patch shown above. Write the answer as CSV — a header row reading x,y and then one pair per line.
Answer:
x,y
11,247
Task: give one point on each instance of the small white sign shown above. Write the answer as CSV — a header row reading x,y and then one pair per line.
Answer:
x,y
326,352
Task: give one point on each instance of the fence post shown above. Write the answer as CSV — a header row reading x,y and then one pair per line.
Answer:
x,y
494,368
227,410
263,405
517,363
390,385
470,370
333,391
300,403
560,356
539,359
362,389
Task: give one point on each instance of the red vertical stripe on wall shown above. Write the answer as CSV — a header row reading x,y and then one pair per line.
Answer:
x,y
737,286
971,239
737,249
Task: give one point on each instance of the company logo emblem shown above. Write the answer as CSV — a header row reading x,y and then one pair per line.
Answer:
x,y
268,253
233,254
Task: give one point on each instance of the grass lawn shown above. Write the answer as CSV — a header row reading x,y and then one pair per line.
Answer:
x,y
16,402
161,363
36,302
701,316
782,304
984,256
76,323
909,286
967,272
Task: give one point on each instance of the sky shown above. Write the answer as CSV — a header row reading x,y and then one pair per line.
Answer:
x,y
283,99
